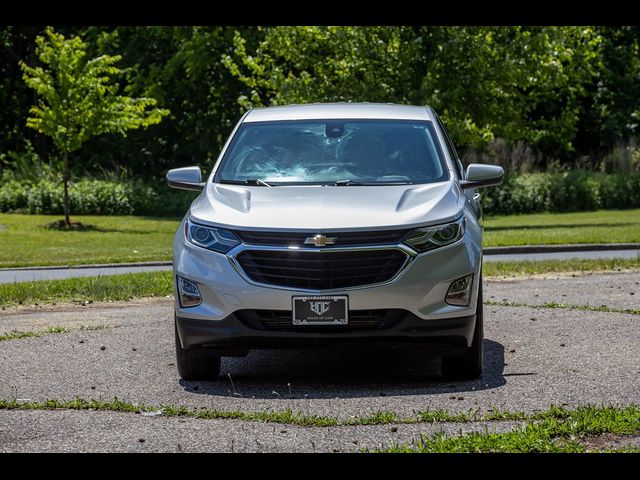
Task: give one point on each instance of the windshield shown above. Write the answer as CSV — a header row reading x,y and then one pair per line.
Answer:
x,y
353,152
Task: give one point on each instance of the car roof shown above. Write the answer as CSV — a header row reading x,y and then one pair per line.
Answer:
x,y
317,111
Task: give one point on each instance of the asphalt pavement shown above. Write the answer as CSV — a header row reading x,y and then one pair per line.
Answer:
x,y
534,357
29,275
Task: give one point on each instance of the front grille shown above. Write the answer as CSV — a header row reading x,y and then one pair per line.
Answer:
x,y
343,239
322,269
359,320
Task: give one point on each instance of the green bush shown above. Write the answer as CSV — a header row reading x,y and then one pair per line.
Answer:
x,y
577,190
93,197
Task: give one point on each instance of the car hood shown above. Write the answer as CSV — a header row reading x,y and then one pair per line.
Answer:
x,y
319,208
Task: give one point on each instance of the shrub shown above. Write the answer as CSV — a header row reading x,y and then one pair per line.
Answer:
x,y
577,190
93,197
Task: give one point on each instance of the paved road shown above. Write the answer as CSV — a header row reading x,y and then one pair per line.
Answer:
x,y
25,275
534,357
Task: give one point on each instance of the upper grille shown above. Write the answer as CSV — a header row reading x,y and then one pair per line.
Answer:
x,y
285,239
322,269
281,320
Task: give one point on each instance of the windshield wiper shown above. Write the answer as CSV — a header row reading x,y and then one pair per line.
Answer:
x,y
346,183
248,181
349,183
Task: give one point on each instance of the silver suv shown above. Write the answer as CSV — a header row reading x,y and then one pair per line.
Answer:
x,y
332,224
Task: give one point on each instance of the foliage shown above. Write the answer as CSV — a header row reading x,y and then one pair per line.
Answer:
x,y
612,107
312,64
524,83
78,97
554,95
181,67
26,165
572,191
17,43
94,197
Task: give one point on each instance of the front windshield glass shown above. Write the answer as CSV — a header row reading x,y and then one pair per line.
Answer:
x,y
329,151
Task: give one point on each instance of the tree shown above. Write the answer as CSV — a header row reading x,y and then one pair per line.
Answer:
x,y
519,83
80,98
614,113
181,68
333,63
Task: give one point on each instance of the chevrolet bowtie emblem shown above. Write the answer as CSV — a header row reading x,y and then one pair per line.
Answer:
x,y
320,240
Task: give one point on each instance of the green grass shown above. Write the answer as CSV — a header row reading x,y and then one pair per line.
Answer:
x,y
25,241
556,429
588,308
439,415
547,433
88,289
536,267
602,226
284,416
160,284
16,335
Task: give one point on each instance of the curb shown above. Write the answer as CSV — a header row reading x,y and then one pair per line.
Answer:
x,y
97,265
578,247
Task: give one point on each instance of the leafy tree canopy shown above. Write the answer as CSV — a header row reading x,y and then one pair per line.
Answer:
x,y
79,97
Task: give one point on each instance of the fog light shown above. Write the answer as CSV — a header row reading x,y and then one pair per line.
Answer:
x,y
460,291
188,293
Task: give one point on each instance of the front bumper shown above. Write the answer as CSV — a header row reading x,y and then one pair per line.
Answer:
x,y
420,289
231,337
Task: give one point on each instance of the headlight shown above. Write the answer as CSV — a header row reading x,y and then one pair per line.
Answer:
x,y
216,239
428,238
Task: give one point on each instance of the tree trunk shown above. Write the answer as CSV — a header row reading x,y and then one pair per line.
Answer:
x,y
65,176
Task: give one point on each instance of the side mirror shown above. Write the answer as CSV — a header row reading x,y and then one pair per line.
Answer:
x,y
480,175
187,178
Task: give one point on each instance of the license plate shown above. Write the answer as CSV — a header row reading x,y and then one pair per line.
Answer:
x,y
325,310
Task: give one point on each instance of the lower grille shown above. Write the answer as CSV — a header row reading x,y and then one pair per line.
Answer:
x,y
359,320
322,269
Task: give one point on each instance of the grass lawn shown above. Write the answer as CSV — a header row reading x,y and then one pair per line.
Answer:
x,y
602,226
526,268
88,289
24,241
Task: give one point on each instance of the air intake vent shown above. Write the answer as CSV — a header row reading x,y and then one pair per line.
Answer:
x,y
321,269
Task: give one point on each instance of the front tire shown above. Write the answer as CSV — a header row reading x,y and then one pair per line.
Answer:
x,y
195,367
469,365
